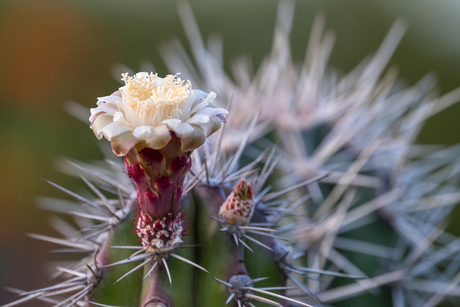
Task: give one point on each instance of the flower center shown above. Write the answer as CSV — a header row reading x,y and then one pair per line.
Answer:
x,y
148,99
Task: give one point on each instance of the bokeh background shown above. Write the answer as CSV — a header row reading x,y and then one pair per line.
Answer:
x,y
52,52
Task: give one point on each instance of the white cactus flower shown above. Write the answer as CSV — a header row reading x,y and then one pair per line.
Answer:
x,y
148,108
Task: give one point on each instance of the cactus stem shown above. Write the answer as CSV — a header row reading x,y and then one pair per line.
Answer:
x,y
155,297
188,246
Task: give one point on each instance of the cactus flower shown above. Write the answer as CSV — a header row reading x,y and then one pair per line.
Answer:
x,y
149,108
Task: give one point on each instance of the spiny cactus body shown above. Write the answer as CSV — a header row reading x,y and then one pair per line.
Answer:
x,y
203,213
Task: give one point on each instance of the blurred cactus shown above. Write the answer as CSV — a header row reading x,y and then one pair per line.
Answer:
x,y
312,193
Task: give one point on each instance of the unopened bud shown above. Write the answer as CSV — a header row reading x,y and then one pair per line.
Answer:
x,y
239,205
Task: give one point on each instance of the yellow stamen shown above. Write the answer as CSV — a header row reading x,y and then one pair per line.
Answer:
x,y
148,100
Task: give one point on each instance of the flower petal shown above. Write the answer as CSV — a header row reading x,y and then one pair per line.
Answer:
x,y
216,123
209,123
119,117
123,143
222,118
112,99
114,129
212,111
172,123
100,121
183,130
160,137
205,103
108,109
194,140
196,97
143,132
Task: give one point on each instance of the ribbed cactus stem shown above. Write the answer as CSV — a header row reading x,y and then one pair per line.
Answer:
x,y
233,211
236,267
155,295
214,197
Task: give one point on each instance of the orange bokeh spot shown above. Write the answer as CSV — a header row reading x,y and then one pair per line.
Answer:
x,y
45,45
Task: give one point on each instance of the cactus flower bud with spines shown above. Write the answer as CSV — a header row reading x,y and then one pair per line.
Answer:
x,y
239,205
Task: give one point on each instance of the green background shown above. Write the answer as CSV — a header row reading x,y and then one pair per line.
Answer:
x,y
52,52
